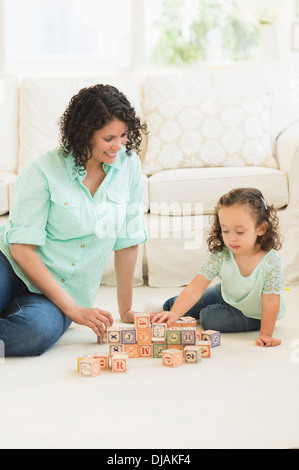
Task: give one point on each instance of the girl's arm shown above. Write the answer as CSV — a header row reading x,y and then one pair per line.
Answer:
x,y
187,298
125,262
38,274
270,309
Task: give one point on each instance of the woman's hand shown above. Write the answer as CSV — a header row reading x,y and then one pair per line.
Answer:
x,y
96,319
268,341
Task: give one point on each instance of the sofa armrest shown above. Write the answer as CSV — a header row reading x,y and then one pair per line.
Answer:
x,y
287,154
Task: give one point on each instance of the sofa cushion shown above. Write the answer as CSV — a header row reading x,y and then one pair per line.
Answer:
x,y
43,101
182,191
211,133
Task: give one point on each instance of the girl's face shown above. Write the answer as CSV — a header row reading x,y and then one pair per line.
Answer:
x,y
108,141
239,230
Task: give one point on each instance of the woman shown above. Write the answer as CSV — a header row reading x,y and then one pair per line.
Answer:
x,y
73,206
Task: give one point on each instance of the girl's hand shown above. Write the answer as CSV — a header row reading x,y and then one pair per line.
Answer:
x,y
268,341
96,319
165,317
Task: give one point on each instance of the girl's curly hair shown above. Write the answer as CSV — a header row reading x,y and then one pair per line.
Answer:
x,y
254,200
90,110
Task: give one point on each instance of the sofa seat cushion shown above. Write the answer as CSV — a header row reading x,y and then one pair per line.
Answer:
x,y
189,191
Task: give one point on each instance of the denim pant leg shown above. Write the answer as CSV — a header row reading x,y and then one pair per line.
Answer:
x,y
211,296
29,322
10,284
215,314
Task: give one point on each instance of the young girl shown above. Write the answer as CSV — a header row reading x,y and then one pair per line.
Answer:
x,y
243,241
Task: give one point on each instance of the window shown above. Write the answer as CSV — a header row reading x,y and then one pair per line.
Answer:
x,y
47,31
84,35
186,32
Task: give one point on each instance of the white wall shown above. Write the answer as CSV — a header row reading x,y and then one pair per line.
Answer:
x,y
287,17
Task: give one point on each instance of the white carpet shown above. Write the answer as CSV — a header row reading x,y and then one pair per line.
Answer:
x,y
243,397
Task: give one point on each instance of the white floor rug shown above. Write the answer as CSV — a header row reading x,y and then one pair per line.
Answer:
x,y
244,396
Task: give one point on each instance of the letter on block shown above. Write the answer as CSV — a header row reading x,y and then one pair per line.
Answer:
x,y
114,335
80,357
115,348
188,335
213,336
142,321
128,336
205,348
119,362
192,354
158,348
103,359
172,357
173,336
90,367
159,331
144,336
132,350
146,350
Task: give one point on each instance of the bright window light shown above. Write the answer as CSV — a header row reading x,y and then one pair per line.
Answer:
x,y
68,30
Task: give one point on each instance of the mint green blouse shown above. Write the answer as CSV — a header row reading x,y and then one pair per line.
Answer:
x,y
74,232
245,293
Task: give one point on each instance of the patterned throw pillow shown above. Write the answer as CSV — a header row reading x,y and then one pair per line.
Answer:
x,y
208,134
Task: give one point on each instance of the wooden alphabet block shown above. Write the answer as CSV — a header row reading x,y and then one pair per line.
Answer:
x,y
192,354
145,350
90,367
173,336
142,321
114,335
188,335
132,350
115,348
198,334
79,359
205,348
213,336
180,347
159,331
144,336
103,359
102,339
158,348
172,357
119,362
188,321
128,336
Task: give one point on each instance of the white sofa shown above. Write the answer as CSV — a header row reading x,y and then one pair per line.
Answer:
x,y
210,130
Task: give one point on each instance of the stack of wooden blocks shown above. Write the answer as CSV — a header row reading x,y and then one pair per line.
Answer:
x,y
178,344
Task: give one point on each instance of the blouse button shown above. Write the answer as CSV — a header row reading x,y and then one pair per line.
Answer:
x,y
62,280
82,246
65,203
73,264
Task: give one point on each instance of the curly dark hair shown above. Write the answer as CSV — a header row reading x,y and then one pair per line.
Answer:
x,y
90,110
253,199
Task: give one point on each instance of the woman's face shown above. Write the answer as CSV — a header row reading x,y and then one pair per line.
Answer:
x,y
108,141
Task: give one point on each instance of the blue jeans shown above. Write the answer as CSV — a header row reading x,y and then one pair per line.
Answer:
x,y
29,323
215,314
